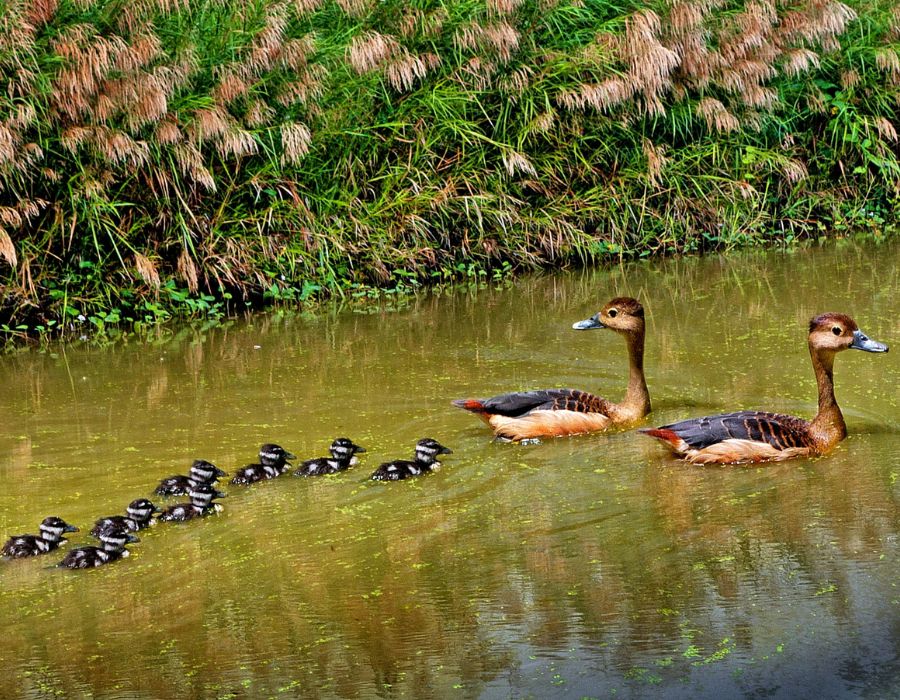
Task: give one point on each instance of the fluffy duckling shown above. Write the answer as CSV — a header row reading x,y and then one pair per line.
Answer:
x,y
112,547
140,514
52,530
425,461
273,462
201,472
201,504
343,455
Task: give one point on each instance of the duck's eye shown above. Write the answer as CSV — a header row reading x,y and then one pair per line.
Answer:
x,y
613,313
836,330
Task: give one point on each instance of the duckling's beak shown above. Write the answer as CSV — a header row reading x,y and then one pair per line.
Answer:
x,y
70,528
156,509
445,451
219,494
862,342
589,323
219,472
131,538
288,455
357,448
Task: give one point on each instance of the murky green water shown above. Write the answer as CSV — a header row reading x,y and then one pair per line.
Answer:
x,y
588,566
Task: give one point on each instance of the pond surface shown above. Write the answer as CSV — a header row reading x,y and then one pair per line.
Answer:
x,y
592,566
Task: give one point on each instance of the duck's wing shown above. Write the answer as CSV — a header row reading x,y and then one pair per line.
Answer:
x,y
521,403
780,431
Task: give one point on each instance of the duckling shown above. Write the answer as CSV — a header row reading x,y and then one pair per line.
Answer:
x,y
427,451
273,461
51,537
140,515
757,436
201,504
343,455
554,412
201,472
112,547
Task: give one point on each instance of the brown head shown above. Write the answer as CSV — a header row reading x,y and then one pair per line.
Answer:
x,y
833,332
622,314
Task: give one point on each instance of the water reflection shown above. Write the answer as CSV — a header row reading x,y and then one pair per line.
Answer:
x,y
579,567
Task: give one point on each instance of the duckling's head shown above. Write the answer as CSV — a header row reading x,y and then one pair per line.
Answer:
x,y
622,314
203,494
141,508
271,454
428,449
205,471
344,448
55,527
835,332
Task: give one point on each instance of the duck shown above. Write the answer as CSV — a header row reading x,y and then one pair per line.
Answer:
x,y
343,455
52,529
273,462
759,436
201,504
201,472
531,415
425,461
140,514
112,547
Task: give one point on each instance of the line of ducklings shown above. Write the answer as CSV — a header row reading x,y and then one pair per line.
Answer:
x,y
115,532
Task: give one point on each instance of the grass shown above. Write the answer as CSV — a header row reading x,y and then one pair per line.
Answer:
x,y
163,159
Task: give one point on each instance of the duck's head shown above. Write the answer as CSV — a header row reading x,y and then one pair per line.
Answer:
x,y
622,314
835,332
116,538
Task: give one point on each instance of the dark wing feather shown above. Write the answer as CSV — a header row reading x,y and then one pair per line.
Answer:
x,y
780,431
520,403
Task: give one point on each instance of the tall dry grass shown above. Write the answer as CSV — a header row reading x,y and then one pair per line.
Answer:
x,y
282,147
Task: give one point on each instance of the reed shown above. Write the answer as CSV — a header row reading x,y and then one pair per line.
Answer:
x,y
163,157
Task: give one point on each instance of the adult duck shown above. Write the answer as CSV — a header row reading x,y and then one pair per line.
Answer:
x,y
756,436
556,412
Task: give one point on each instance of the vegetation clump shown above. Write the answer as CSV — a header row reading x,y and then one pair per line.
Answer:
x,y
170,156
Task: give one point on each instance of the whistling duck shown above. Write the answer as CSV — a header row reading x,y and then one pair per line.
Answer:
x,y
756,436
553,412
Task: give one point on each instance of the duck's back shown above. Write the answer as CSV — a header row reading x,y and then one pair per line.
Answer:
x,y
776,429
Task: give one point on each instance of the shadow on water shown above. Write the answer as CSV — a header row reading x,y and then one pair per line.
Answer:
x,y
587,566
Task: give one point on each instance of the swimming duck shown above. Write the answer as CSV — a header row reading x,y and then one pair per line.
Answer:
x,y
201,504
140,515
425,461
343,455
555,412
201,472
52,530
112,547
757,436
273,461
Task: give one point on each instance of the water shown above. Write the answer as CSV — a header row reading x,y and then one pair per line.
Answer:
x,y
588,566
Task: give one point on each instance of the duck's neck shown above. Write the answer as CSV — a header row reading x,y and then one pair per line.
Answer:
x,y
828,426
636,403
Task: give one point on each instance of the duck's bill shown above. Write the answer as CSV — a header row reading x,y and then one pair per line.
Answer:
x,y
589,323
862,342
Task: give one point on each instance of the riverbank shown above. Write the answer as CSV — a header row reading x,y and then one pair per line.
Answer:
x,y
189,160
